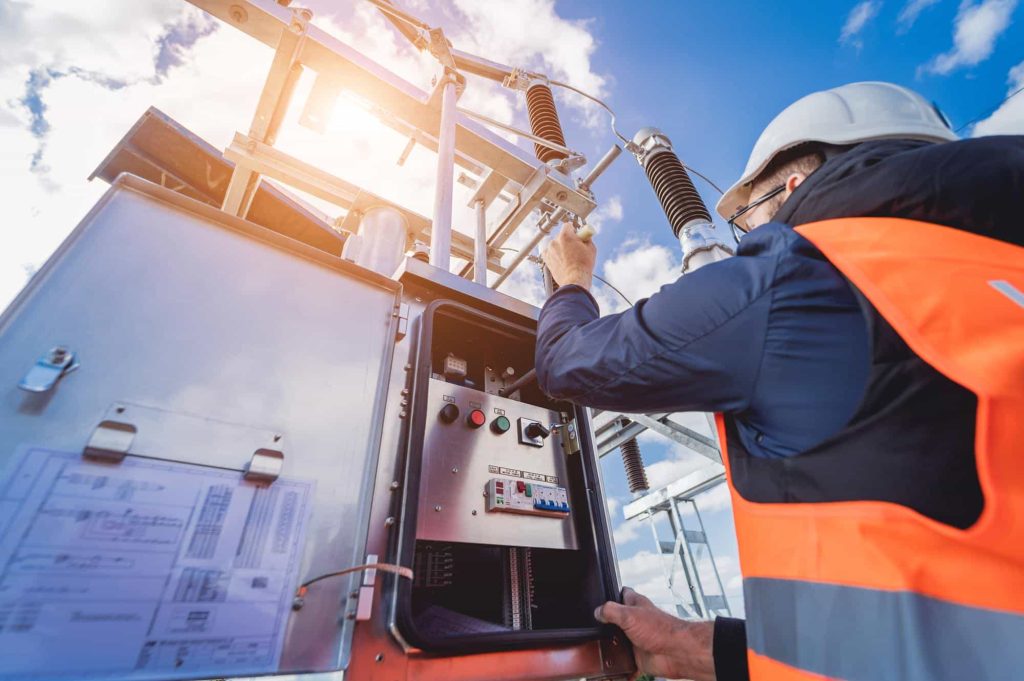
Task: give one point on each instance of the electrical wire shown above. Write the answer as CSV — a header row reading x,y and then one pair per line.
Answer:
x,y
383,567
990,111
612,287
629,144
605,107
539,261
516,131
703,177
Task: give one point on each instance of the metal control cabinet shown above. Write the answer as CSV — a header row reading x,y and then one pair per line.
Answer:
x,y
205,348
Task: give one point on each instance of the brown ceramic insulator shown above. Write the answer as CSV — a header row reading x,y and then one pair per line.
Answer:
x,y
540,105
675,190
636,475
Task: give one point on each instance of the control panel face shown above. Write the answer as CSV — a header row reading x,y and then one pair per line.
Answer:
x,y
477,452
507,495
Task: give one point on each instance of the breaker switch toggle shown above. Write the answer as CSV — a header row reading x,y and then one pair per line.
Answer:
x,y
535,430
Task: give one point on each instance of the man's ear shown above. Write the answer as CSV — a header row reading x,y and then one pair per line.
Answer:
x,y
794,181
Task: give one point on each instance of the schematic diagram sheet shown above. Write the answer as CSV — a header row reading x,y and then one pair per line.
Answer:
x,y
144,568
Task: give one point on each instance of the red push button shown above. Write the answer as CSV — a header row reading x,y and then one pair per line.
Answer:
x,y
475,419
520,486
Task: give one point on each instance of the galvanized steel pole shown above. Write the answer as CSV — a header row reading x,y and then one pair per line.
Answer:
x,y
480,244
441,228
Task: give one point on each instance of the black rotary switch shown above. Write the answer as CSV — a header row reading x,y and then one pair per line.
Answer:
x,y
535,430
449,413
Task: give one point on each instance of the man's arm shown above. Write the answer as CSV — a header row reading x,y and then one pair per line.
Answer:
x,y
694,345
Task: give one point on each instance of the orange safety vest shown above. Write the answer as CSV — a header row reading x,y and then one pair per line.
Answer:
x,y
874,590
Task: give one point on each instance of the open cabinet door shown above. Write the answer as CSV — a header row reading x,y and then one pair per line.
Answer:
x,y
190,419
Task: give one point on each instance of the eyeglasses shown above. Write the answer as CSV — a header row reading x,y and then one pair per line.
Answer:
x,y
739,230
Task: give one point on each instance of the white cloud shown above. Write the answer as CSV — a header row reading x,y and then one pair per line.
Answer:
x,y
718,498
859,17
910,12
645,572
976,29
627,531
638,269
530,34
1008,119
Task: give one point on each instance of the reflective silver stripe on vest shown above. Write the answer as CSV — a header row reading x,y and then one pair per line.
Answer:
x,y
863,634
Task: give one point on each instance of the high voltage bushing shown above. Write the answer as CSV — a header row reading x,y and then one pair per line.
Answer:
x,y
676,193
636,475
544,123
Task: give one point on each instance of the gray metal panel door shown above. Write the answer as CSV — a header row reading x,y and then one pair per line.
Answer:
x,y
211,344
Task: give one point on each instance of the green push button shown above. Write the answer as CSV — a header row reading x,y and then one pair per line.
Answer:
x,y
529,490
501,425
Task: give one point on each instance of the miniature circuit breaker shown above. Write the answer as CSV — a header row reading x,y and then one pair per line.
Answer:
x,y
509,495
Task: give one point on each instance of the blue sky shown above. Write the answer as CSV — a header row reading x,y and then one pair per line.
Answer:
x,y
75,76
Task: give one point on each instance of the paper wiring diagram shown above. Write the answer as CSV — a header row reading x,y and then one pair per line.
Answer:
x,y
142,567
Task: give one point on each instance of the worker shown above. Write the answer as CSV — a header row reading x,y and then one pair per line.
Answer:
x,y
864,350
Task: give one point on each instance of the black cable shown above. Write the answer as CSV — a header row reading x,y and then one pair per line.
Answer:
x,y
990,111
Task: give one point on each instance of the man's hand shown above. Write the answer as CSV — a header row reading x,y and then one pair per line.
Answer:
x,y
570,259
664,645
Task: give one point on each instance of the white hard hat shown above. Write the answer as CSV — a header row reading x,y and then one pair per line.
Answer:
x,y
848,114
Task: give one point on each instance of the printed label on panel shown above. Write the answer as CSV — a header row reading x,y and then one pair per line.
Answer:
x,y
145,568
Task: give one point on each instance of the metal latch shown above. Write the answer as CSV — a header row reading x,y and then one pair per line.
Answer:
x,y
265,465
569,438
110,441
403,321
49,369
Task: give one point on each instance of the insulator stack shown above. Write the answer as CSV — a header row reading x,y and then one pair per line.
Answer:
x,y
544,123
636,475
676,193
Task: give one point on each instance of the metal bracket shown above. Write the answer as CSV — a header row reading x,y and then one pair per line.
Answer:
x,y
110,441
264,466
364,606
48,369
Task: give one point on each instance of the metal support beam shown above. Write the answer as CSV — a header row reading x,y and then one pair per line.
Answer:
x,y
270,110
480,244
441,229
686,487
681,434
273,163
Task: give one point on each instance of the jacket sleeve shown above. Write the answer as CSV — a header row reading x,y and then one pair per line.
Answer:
x,y
694,345
729,649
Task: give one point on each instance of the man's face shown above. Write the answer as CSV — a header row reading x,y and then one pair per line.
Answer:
x,y
764,212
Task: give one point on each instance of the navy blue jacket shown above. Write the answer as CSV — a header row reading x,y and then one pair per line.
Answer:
x,y
774,336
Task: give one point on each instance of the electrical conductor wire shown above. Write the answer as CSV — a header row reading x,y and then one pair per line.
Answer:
x,y
992,110
539,261
399,570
